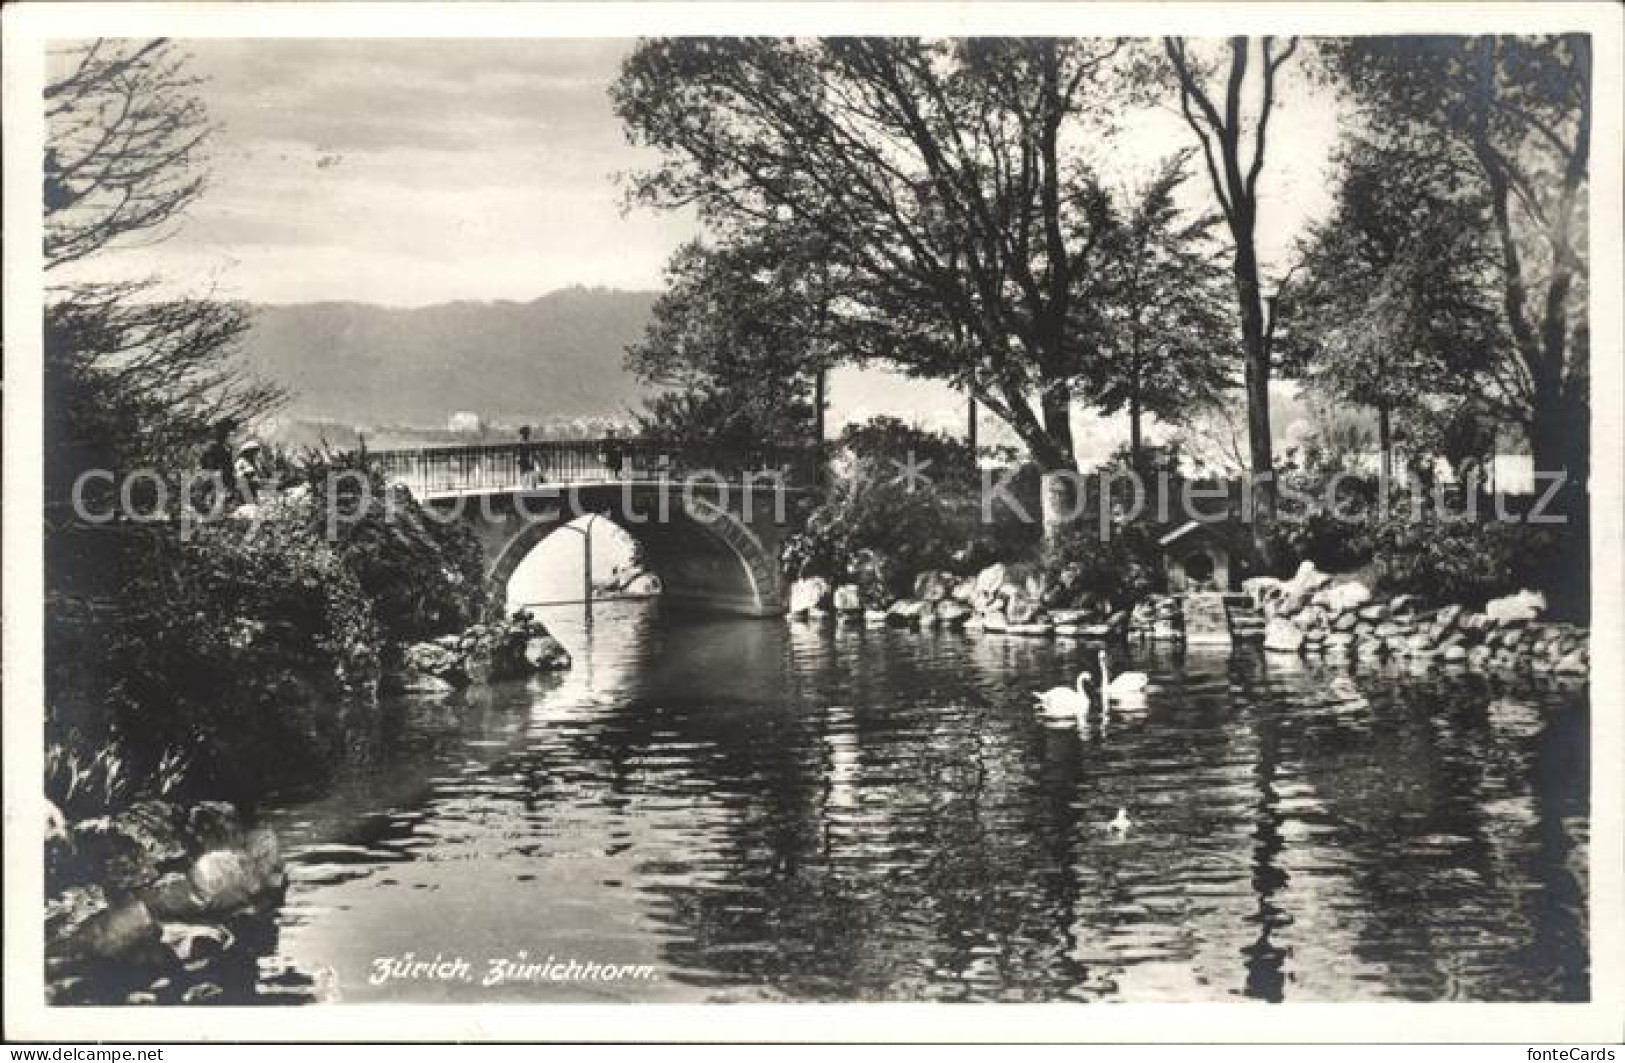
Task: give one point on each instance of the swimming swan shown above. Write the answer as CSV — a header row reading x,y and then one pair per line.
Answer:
x,y
1127,683
1064,701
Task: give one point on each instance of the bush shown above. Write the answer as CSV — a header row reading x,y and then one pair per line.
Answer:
x,y
229,656
1122,569
872,518
422,576
1465,562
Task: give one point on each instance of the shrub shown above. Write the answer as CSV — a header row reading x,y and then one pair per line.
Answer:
x,y
872,518
422,576
1462,561
1122,569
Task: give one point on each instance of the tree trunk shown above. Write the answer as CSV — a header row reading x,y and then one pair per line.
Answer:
x,y
1257,373
1385,441
1134,455
1057,408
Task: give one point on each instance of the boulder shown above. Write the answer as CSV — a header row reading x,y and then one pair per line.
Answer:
x,y
196,942
171,897
544,653
1403,604
1308,579
1070,617
1346,621
993,620
810,593
264,852
848,599
1454,652
1020,607
81,924
1282,636
1376,611
201,993
1290,604
105,852
933,586
1311,619
1262,588
1446,618
952,612
965,590
1167,631
1575,663
224,880
874,617
989,581
430,658
1340,640
212,825
1343,597
906,612
1525,605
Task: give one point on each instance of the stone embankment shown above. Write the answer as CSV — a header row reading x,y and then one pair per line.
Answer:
x,y
1016,599
513,649
1313,614
144,906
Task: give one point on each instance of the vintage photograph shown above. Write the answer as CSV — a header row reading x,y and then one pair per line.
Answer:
x,y
670,518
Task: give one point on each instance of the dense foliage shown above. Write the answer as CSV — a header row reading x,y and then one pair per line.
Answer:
x,y
875,515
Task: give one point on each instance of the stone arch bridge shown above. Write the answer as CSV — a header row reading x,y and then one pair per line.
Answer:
x,y
711,526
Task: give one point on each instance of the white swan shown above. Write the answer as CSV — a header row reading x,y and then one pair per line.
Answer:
x,y
1122,824
1065,701
1127,683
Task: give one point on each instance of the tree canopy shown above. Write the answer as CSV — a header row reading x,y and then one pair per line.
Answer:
x,y
943,180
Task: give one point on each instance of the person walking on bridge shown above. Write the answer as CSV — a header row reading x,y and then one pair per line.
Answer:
x,y
530,467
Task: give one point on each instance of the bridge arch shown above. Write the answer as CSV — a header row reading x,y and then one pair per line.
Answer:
x,y
707,556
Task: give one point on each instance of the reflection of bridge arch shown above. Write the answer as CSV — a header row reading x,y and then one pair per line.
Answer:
x,y
708,554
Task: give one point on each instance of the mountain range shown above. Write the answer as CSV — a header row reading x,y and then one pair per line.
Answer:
x,y
556,357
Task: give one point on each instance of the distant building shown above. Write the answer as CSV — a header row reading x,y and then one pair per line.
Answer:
x,y
467,422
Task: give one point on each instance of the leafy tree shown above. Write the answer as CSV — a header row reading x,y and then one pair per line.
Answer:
x,y
738,337
1169,343
1390,309
1221,125
942,179
1517,112
133,377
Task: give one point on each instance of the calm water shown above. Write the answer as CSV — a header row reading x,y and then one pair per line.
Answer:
x,y
762,811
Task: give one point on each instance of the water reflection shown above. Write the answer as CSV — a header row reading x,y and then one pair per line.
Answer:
x,y
771,812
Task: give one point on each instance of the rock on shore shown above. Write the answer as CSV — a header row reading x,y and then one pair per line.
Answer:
x,y
1312,614
138,903
485,653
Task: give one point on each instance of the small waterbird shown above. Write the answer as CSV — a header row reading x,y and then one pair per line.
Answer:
x,y
1121,824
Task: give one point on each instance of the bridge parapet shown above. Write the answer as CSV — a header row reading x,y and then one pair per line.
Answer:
x,y
439,471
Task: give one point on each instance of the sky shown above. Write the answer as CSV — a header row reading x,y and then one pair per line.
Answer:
x,y
409,172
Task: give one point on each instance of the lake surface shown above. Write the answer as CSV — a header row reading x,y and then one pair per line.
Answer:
x,y
757,811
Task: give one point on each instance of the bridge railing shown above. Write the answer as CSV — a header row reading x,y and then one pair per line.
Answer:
x,y
466,469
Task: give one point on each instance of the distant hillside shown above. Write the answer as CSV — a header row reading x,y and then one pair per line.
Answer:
x,y
556,357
